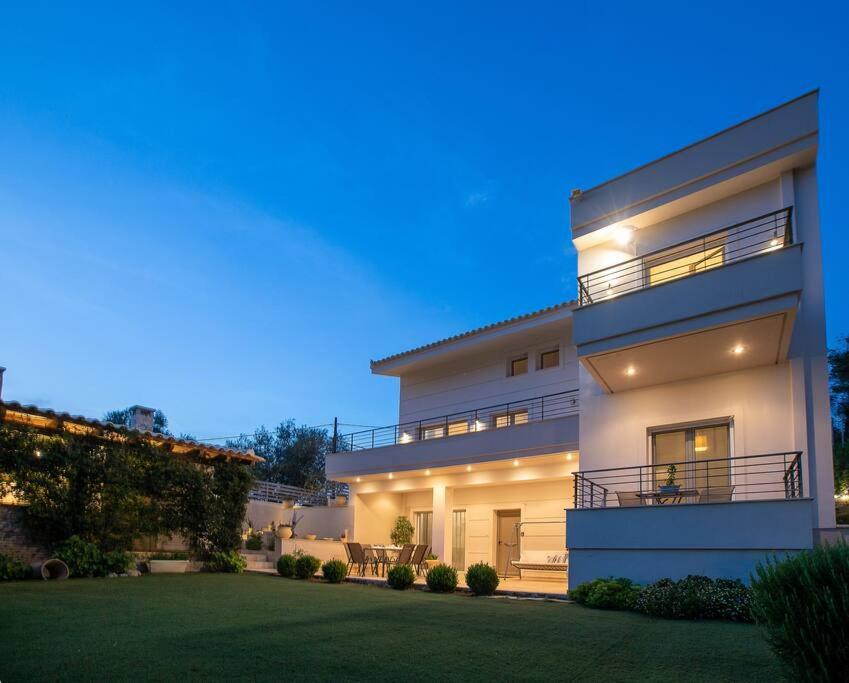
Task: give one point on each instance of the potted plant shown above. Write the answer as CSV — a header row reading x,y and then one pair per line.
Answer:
x,y
288,503
402,532
168,563
287,529
431,561
670,486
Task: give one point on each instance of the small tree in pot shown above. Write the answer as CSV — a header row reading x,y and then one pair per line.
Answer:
x,y
402,532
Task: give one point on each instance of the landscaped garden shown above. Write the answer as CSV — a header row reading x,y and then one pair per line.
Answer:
x,y
260,627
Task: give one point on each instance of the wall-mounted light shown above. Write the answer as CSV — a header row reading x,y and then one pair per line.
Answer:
x,y
406,438
38,454
623,236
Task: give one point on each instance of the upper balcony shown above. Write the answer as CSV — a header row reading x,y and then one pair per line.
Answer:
x,y
724,301
533,426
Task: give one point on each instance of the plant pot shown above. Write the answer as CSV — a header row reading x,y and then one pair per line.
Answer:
x,y
283,532
288,503
310,537
430,564
340,501
168,566
670,488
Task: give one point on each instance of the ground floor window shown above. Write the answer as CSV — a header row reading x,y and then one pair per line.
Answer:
x,y
424,527
458,539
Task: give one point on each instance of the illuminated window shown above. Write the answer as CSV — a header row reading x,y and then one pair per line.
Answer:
x,y
455,428
518,366
518,417
549,359
433,432
689,259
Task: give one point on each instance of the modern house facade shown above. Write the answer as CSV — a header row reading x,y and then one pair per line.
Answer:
x,y
673,419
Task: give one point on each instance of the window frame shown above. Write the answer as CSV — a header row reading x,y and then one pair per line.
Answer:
x,y
548,352
511,363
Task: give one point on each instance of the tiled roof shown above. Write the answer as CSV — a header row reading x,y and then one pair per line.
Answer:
x,y
39,415
478,330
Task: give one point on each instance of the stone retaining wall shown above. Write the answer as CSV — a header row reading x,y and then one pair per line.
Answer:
x,y
14,539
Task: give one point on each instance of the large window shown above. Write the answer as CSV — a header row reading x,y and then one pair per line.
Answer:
x,y
517,417
424,527
549,359
519,366
700,454
458,539
691,258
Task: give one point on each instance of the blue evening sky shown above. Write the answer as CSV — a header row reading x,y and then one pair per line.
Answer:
x,y
224,211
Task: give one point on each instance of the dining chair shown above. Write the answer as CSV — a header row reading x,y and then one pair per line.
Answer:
x,y
418,558
630,499
716,494
350,559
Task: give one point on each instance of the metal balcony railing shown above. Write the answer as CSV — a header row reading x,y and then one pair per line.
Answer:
x,y
272,492
753,237
772,476
467,422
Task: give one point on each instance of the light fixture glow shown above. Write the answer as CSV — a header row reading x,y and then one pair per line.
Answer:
x,y
468,468
630,371
38,454
358,480
773,242
737,350
479,426
427,473
568,456
515,463
701,443
623,236
406,438
391,476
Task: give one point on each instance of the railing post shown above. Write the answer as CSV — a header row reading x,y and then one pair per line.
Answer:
x,y
372,438
542,409
575,493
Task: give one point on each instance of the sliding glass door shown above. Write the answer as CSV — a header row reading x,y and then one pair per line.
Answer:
x,y
699,453
458,539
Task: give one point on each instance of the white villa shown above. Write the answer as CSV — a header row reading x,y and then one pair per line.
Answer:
x,y
674,419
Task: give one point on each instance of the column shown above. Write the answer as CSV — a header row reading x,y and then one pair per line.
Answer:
x,y
443,504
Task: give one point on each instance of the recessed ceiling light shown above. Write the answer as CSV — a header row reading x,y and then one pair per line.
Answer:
x,y
568,456
358,480
515,463
737,350
427,473
468,468
391,475
630,371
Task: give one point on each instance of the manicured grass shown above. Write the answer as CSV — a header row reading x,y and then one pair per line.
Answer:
x,y
259,627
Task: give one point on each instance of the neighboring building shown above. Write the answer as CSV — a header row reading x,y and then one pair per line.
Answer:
x,y
697,340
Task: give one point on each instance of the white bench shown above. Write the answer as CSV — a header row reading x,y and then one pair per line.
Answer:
x,y
542,561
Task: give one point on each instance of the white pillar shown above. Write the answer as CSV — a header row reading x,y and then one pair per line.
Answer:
x,y
443,502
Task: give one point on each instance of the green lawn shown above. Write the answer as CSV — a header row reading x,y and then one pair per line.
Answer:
x,y
258,627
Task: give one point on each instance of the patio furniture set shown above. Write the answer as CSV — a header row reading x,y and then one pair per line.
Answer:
x,y
379,558
714,494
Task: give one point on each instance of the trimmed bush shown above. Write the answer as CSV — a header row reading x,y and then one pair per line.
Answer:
x,y
117,562
400,577
13,570
254,542
606,593
228,563
695,597
442,579
482,579
83,558
334,571
803,603
286,565
306,566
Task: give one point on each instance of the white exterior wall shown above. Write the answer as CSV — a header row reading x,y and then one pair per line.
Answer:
x,y
479,381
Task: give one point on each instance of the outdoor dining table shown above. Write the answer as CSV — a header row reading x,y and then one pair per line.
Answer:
x,y
388,549
661,498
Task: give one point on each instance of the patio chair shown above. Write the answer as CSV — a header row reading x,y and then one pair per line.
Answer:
x,y
629,499
350,559
716,494
358,557
371,559
405,556
418,558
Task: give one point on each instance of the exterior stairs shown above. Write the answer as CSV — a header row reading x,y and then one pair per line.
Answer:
x,y
259,561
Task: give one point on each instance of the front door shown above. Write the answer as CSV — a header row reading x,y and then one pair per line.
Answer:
x,y
508,541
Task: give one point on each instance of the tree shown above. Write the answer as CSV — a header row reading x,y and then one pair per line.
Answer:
x,y
293,455
122,417
838,361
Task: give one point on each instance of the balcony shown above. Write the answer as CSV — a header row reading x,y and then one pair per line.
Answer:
x,y
532,426
678,313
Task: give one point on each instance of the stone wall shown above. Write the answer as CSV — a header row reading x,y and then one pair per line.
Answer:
x,y
14,539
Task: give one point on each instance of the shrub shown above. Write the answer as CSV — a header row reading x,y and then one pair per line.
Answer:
x,y
442,579
400,577
83,558
13,570
695,597
117,562
254,542
227,562
402,532
607,593
286,565
306,566
803,602
334,571
482,579
168,556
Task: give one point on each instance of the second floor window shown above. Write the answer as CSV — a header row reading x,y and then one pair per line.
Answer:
x,y
549,359
519,366
518,417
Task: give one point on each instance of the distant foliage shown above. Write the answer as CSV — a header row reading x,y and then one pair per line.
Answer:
x,y
442,579
123,417
13,570
286,565
482,579
803,602
606,593
400,577
334,571
306,566
229,562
